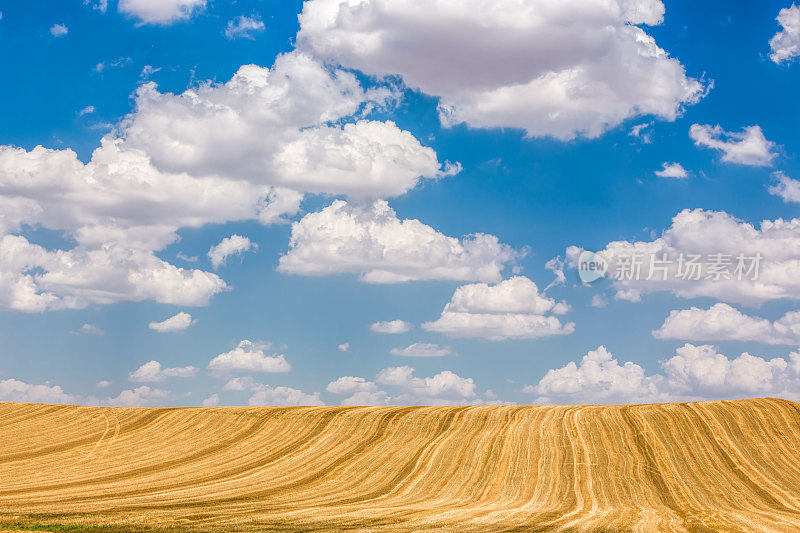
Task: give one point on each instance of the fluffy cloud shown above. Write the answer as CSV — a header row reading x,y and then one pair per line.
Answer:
x,y
178,322
598,300
371,241
33,279
233,245
243,27
748,147
511,309
785,44
267,395
344,347
239,384
553,67
142,396
702,371
247,149
162,12
249,357
514,295
151,372
693,373
599,378
672,170
350,385
444,388
723,322
119,210
787,188
273,126
88,329
211,401
700,236
58,30
14,390
498,327
367,398
392,327
423,349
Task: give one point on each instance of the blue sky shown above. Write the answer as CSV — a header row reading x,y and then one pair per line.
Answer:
x,y
539,169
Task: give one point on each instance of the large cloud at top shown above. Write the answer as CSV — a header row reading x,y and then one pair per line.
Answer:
x,y
558,68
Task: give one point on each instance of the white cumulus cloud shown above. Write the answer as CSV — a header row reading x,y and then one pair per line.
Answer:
x,y
233,245
179,322
599,378
444,388
598,300
14,390
553,67
161,12
672,170
367,398
267,395
370,240
143,396
748,147
693,373
785,187
58,30
391,327
423,349
274,126
350,385
721,322
702,371
249,357
211,401
34,279
245,149
239,384
785,44
511,309
152,372
88,329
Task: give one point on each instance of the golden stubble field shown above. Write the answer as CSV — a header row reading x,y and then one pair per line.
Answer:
x,y
711,466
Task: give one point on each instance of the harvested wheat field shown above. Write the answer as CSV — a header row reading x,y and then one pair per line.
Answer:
x,y
712,466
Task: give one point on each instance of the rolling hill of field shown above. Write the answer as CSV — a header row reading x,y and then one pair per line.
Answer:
x,y
730,466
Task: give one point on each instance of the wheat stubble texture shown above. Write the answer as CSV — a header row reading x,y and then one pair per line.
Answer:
x,y
709,466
